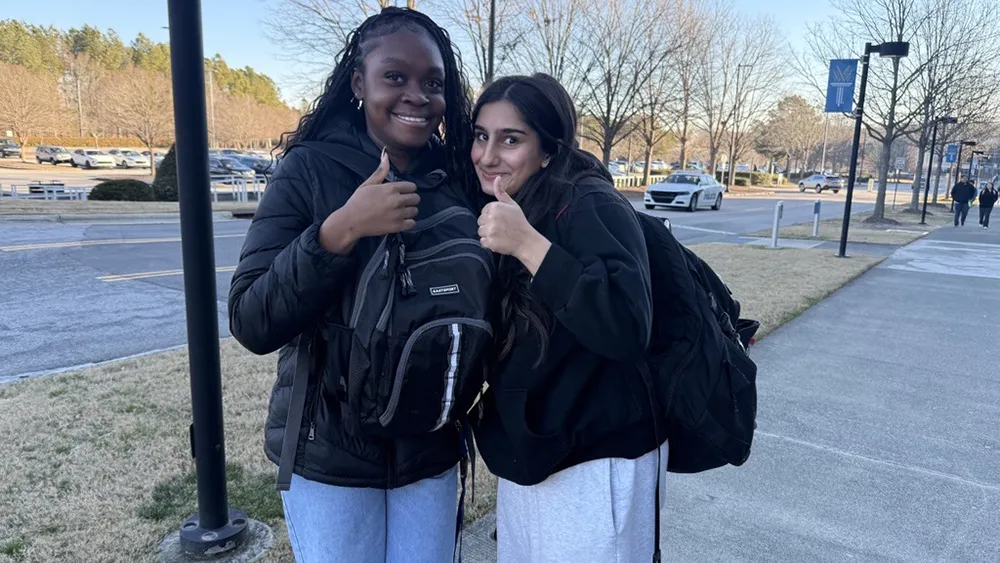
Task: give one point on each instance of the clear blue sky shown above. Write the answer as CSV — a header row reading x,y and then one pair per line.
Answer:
x,y
232,28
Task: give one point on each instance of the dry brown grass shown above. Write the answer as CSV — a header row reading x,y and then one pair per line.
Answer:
x,y
101,468
775,286
906,229
64,207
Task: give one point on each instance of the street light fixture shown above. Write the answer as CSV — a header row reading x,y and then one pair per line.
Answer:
x,y
947,120
892,50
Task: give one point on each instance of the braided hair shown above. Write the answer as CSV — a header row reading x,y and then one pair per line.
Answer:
x,y
337,99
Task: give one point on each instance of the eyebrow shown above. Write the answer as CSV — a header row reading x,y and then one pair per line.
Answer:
x,y
401,62
507,130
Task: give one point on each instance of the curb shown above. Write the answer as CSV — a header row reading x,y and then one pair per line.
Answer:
x,y
108,217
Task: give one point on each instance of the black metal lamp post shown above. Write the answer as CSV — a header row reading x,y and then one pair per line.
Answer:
x,y
894,50
216,529
947,120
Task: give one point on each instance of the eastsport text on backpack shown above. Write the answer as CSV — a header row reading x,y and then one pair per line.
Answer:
x,y
701,380
418,317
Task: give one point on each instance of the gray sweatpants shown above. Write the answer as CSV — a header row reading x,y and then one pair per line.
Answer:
x,y
600,511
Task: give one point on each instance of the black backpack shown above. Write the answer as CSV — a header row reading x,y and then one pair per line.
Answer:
x,y
418,316
701,380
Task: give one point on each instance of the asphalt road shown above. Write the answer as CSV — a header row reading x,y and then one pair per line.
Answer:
x,y
77,294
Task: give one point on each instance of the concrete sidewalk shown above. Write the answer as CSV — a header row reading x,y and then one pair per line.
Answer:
x,y
879,426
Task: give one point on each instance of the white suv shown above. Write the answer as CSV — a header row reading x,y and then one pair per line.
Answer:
x,y
128,158
92,158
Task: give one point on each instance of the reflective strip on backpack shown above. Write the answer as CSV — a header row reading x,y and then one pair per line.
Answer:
x,y
449,393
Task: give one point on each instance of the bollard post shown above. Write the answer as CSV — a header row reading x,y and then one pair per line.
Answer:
x,y
779,210
816,207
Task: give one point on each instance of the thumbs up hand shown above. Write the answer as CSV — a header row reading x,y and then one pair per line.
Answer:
x,y
504,229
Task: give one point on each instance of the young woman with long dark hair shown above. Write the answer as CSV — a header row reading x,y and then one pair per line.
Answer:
x,y
566,423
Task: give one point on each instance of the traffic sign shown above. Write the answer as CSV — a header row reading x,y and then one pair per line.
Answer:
x,y
840,86
900,162
951,155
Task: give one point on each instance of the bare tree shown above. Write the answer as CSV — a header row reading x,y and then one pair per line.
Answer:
x,y
682,70
791,130
28,101
619,67
311,33
755,89
472,19
139,102
960,75
551,40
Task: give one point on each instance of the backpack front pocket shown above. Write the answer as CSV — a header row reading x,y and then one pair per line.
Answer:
x,y
436,361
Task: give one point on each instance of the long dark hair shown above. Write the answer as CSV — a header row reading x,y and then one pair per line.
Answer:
x,y
546,107
337,100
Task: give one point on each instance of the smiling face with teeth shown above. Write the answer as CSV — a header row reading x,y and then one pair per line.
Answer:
x,y
401,82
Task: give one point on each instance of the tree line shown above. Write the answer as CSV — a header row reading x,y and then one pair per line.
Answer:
x,y
86,83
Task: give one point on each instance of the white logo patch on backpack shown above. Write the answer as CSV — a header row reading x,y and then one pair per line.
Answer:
x,y
444,290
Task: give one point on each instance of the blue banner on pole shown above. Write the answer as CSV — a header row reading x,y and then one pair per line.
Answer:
x,y
951,154
840,86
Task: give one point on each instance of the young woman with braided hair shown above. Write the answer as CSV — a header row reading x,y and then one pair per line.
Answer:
x,y
350,497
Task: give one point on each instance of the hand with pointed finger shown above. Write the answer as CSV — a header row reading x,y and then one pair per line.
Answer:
x,y
375,209
504,229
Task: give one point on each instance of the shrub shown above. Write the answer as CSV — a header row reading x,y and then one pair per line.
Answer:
x,y
741,182
165,184
761,178
122,190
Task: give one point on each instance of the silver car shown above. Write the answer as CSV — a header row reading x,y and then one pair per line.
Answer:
x,y
820,182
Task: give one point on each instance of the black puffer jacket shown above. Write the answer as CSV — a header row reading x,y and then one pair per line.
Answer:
x,y
286,284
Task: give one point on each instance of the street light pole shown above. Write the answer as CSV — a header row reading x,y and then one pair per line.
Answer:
x,y
216,528
930,165
887,50
490,48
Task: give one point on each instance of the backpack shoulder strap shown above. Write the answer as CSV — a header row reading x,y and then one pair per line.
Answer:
x,y
354,160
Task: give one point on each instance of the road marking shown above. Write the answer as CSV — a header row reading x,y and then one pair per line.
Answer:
x,y
714,231
99,242
160,274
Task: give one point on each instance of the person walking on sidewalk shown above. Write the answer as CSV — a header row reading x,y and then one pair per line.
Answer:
x,y
566,423
963,194
987,199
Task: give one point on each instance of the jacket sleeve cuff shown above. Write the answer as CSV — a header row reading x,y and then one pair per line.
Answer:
x,y
556,276
324,261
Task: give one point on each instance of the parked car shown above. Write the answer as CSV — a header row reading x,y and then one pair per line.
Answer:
x,y
229,167
92,158
658,167
157,156
821,182
259,164
639,167
8,147
688,190
128,158
54,155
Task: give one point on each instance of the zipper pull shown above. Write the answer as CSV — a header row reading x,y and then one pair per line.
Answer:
x,y
312,431
385,266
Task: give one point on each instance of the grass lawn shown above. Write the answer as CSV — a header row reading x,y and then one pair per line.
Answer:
x,y
902,227
101,467
65,207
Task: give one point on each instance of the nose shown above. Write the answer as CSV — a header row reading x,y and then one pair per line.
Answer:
x,y
490,156
415,95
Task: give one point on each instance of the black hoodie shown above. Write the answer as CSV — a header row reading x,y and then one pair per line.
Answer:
x,y
988,198
286,284
586,400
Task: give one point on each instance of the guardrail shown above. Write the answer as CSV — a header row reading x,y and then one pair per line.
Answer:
x,y
241,187
45,190
635,181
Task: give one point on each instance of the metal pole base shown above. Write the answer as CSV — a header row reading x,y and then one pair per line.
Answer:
x,y
253,540
199,541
